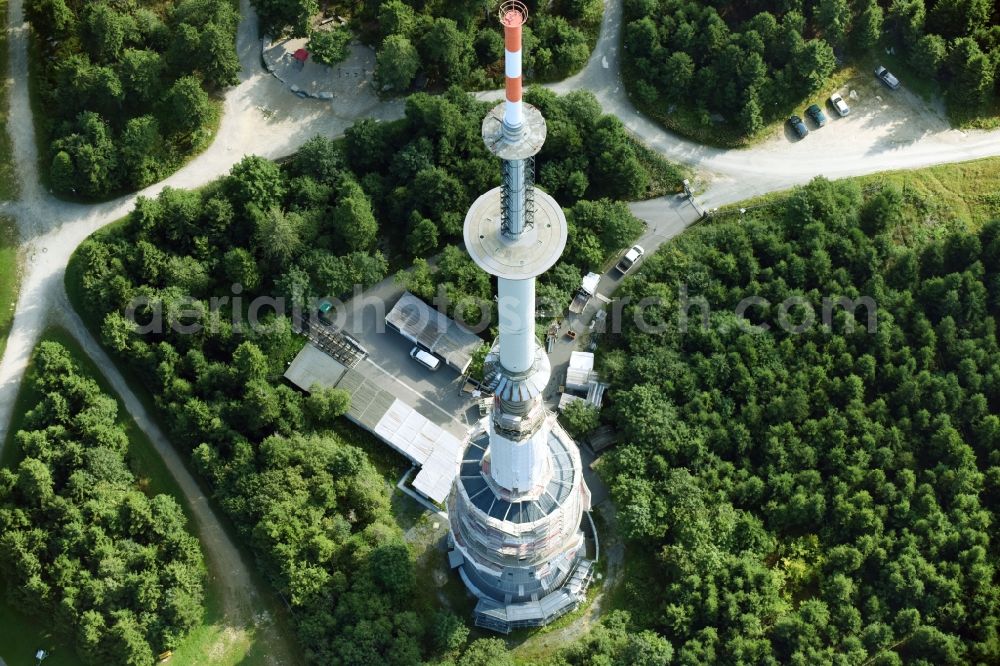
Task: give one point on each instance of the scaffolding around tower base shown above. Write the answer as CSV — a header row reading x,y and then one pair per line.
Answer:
x,y
504,618
527,558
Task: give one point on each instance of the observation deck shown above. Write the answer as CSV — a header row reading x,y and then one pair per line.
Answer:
x,y
533,253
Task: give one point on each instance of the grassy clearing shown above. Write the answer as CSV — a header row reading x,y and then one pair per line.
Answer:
x,y
8,177
664,177
21,636
965,195
10,275
208,643
941,199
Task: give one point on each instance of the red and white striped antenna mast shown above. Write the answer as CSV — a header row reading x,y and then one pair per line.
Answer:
x,y
513,15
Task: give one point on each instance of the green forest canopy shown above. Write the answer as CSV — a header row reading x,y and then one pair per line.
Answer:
x,y
827,497
450,43
338,214
109,568
750,63
126,86
793,497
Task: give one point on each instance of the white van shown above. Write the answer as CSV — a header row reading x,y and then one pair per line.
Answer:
x,y
425,358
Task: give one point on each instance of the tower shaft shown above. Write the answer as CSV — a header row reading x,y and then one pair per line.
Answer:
x,y
516,305
517,183
517,503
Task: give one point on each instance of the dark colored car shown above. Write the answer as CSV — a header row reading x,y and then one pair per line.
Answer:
x,y
817,115
325,307
798,127
886,77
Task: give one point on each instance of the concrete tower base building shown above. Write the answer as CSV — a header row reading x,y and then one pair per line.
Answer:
x,y
519,499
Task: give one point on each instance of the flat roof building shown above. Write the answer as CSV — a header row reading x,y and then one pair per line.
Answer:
x,y
400,422
434,331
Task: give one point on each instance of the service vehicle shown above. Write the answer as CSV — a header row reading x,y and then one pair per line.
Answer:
x,y
798,127
425,358
839,105
630,259
817,115
886,77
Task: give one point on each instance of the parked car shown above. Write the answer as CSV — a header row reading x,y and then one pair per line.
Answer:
x,y
630,258
798,127
839,105
817,115
886,77
425,358
325,307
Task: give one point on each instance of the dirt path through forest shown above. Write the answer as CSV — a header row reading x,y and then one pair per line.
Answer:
x,y
259,117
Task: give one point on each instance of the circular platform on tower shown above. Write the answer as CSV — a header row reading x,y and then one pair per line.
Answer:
x,y
526,144
530,255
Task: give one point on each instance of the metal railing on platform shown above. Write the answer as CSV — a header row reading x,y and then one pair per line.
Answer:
x,y
340,346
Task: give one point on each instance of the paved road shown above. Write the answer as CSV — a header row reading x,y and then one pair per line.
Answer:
x,y
436,394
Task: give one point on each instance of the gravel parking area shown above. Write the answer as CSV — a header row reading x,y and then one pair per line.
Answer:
x,y
881,119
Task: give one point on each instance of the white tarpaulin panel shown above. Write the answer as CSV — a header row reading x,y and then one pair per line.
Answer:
x,y
580,372
426,444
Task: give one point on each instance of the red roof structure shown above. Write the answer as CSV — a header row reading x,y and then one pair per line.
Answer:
x,y
301,55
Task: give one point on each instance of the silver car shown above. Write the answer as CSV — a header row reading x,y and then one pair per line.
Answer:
x,y
630,259
886,77
839,105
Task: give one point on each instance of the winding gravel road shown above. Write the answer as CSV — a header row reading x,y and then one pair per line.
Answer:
x,y
262,117
776,164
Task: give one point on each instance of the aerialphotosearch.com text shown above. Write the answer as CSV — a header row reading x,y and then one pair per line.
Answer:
x,y
652,314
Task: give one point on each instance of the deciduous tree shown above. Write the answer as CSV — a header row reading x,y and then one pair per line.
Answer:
x,y
187,107
397,63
